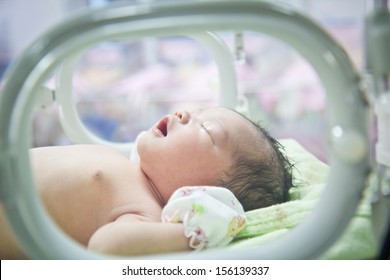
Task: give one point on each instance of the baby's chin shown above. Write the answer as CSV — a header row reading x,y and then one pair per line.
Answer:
x,y
147,147
141,145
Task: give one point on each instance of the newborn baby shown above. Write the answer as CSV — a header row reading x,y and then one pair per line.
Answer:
x,y
113,205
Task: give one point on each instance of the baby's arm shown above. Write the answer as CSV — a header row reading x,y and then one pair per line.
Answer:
x,y
131,236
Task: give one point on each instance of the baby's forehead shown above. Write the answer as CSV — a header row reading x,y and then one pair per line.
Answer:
x,y
240,129
221,112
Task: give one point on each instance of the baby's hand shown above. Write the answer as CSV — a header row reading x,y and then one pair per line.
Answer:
x,y
212,216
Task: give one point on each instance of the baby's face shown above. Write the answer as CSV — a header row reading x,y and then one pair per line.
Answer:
x,y
189,149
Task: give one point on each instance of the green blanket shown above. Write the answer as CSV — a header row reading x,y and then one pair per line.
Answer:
x,y
310,177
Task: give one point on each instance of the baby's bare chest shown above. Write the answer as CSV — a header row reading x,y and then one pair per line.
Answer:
x,y
88,199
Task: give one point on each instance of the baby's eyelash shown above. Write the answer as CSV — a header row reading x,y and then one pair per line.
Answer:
x,y
203,126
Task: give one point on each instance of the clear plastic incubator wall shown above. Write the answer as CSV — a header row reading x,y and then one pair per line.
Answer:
x,y
103,75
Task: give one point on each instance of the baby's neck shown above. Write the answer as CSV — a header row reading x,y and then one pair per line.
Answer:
x,y
155,191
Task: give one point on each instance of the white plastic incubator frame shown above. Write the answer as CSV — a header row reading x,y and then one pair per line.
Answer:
x,y
347,117
79,133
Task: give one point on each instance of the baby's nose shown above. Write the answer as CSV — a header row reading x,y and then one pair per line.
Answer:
x,y
183,116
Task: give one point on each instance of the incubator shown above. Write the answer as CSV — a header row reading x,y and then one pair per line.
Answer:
x,y
349,108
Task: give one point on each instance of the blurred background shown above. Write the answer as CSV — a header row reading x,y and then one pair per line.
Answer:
x,y
122,88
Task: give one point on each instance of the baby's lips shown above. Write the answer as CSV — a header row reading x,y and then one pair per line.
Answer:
x,y
161,128
158,132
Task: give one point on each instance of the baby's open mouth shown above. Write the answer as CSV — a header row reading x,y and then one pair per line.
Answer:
x,y
162,127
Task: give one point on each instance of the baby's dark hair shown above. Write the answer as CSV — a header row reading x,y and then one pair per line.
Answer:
x,y
263,176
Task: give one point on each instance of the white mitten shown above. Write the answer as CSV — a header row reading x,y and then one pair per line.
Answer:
x,y
212,216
